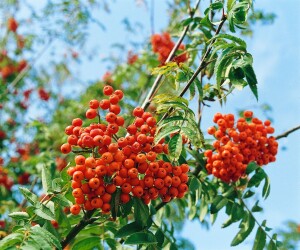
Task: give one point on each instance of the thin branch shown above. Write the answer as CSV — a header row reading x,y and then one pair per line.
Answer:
x,y
155,85
23,73
86,220
256,221
285,134
202,65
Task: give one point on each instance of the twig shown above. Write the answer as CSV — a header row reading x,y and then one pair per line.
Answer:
x,y
256,221
22,74
86,220
155,85
285,134
202,65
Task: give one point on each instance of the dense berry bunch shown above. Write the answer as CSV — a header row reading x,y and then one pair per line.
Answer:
x,y
163,45
128,164
239,144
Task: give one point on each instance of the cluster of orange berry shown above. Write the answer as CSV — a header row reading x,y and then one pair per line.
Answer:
x,y
4,178
129,164
8,66
239,144
163,45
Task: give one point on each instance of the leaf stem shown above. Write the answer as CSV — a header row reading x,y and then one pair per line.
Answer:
x,y
256,221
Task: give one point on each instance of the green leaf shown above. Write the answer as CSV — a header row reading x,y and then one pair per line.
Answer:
x,y
165,132
218,203
181,76
257,178
87,243
41,241
160,237
162,70
248,194
193,134
29,196
203,210
141,212
175,147
251,79
19,215
266,187
61,217
194,184
11,240
145,238
128,229
232,38
217,5
192,91
272,245
162,98
48,236
256,208
46,179
61,200
260,239
172,119
44,212
251,167
246,225
57,185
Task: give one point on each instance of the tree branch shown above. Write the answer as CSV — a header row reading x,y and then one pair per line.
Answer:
x,y
155,85
86,220
202,65
285,134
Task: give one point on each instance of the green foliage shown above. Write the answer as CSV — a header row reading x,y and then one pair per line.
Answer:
x,y
157,226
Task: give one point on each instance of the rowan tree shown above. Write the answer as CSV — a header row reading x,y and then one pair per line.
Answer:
x,y
125,160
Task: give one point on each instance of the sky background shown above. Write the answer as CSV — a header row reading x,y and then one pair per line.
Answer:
x,y
276,53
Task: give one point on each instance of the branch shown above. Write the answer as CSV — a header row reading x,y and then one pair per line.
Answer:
x,y
202,65
86,220
285,134
155,85
256,221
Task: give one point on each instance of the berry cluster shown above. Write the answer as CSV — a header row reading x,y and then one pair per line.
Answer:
x,y
129,164
238,145
163,45
43,94
4,178
132,58
12,24
8,66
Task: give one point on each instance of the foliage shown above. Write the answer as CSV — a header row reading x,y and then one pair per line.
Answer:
x,y
35,187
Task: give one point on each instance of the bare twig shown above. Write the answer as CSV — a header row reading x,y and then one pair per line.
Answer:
x,y
285,134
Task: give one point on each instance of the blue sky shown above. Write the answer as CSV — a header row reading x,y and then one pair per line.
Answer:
x,y
276,53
